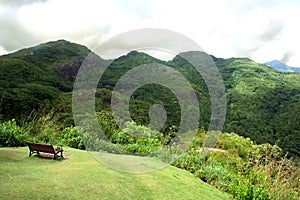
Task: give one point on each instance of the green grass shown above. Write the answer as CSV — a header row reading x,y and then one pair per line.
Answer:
x,y
81,176
130,163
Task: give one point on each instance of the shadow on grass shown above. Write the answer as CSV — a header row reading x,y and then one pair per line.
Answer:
x,y
49,156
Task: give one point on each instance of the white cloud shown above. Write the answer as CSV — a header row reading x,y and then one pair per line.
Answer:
x,y
261,30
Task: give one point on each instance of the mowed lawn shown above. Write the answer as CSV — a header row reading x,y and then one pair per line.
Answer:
x,y
81,176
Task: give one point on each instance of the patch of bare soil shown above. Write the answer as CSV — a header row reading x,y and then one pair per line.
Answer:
x,y
212,150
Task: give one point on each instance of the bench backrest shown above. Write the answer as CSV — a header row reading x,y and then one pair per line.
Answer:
x,y
47,148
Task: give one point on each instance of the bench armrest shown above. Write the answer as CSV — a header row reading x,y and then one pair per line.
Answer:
x,y
58,149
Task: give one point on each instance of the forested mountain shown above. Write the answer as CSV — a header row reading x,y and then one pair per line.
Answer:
x,y
262,103
36,76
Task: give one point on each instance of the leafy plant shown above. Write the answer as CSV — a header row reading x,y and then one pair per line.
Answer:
x,y
137,138
42,126
70,137
215,174
277,173
243,168
11,135
243,189
94,143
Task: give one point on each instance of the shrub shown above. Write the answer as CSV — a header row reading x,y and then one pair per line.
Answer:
x,y
42,126
70,137
121,138
277,173
246,170
215,174
233,141
11,135
190,161
169,153
94,143
137,138
107,123
138,131
243,188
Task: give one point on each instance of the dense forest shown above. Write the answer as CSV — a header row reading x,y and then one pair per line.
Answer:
x,y
262,103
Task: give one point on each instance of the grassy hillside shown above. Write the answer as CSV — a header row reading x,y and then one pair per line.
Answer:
x,y
81,176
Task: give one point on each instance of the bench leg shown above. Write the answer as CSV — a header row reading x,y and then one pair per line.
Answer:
x,y
32,152
56,155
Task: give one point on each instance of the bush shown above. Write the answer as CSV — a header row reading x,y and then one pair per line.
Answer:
x,y
138,131
94,143
246,170
215,174
121,138
242,145
11,135
139,148
276,172
42,126
190,161
70,137
242,188
137,138
107,123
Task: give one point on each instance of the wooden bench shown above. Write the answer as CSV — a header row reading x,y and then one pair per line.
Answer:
x,y
46,148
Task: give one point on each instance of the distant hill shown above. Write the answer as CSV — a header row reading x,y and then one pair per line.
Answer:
x,y
262,103
282,66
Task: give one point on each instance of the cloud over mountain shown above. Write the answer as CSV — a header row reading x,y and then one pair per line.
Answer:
x,y
259,30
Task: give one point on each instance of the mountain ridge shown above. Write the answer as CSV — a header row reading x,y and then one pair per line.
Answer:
x,y
282,67
258,97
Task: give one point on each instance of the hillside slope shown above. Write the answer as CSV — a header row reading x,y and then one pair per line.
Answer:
x,y
263,104
36,76
80,176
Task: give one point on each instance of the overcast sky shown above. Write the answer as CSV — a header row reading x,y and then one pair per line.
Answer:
x,y
262,30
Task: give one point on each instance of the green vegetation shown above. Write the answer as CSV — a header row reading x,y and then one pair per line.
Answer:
x,y
236,166
44,131
242,168
33,78
11,135
263,105
80,176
